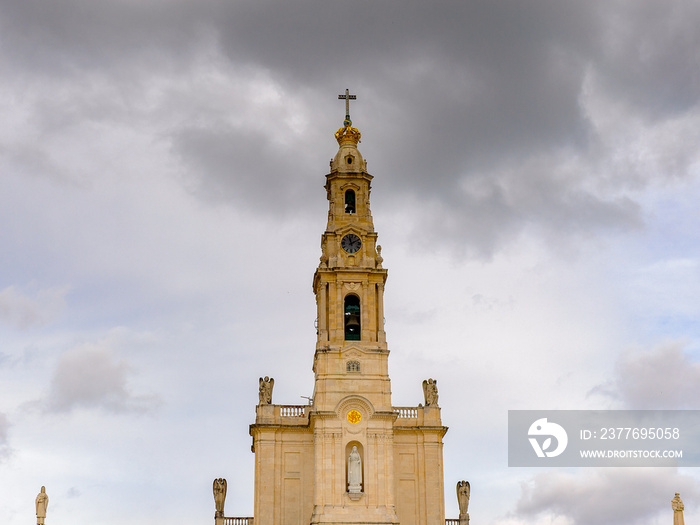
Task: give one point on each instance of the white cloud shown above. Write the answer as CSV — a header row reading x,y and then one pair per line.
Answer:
x,y
26,310
93,376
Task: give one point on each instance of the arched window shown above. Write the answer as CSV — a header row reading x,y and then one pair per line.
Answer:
x,y
350,201
352,318
352,366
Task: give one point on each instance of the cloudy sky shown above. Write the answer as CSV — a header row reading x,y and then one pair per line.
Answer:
x,y
537,179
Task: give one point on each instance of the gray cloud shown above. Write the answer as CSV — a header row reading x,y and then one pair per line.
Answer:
x,y
648,55
452,96
607,496
75,37
661,378
92,376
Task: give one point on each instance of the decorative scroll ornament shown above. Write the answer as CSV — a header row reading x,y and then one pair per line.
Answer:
x,y
324,257
379,259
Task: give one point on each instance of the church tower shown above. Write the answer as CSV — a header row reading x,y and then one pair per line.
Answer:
x,y
350,456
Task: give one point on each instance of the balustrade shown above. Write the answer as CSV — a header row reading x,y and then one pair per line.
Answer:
x,y
238,521
406,412
291,411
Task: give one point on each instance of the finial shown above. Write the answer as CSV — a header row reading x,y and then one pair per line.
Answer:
x,y
347,134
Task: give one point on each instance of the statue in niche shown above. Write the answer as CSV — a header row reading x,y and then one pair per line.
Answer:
x,y
677,506
265,390
42,502
379,259
219,496
354,471
463,492
430,392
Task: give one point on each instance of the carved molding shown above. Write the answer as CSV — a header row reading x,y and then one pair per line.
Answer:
x,y
362,404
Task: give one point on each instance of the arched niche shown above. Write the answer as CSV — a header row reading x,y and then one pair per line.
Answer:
x,y
361,451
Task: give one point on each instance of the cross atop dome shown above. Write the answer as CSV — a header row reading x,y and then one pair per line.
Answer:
x,y
348,97
347,134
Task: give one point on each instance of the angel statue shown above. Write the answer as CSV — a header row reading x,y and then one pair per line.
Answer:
x,y
265,390
463,491
430,392
219,496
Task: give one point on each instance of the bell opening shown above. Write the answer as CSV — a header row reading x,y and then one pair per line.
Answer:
x,y
352,318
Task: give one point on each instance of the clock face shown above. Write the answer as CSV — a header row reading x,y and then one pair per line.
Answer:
x,y
351,243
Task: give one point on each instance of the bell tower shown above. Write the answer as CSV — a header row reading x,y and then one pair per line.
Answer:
x,y
349,457
352,392
349,285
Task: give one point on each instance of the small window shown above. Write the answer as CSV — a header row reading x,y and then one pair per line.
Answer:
x,y
350,201
352,366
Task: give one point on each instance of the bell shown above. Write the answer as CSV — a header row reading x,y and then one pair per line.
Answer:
x,y
353,323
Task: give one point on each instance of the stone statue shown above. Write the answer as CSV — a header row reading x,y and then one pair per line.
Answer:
x,y
324,257
430,392
265,390
354,471
463,492
379,259
42,502
219,496
677,506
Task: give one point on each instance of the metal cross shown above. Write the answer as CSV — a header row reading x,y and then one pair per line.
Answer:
x,y
348,97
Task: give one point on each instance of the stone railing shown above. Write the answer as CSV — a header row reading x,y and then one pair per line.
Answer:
x,y
292,415
296,415
403,412
417,416
451,522
238,521
291,411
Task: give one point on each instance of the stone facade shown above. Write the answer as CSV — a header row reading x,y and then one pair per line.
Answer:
x,y
301,452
